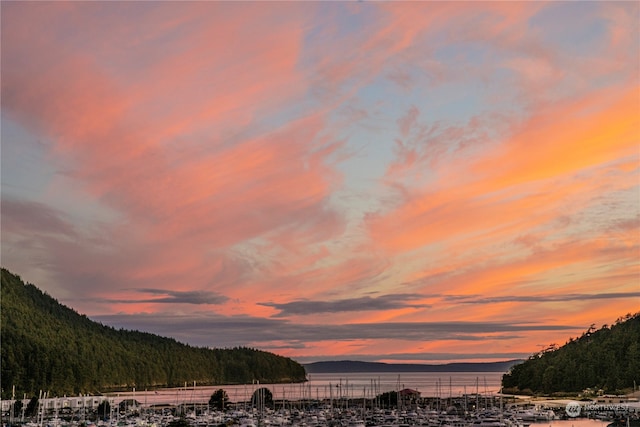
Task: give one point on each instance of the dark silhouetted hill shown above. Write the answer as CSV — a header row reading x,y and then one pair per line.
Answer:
x,y
606,358
48,346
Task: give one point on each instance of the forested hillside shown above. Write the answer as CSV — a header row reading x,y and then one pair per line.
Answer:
x,y
607,358
47,346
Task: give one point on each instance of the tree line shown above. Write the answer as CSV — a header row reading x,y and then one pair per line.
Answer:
x,y
48,346
605,359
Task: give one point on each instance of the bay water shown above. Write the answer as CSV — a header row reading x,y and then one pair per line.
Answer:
x,y
354,385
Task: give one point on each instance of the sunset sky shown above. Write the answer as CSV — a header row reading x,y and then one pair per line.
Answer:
x,y
389,181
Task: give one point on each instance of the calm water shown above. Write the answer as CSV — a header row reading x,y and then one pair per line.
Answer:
x,y
326,386
442,384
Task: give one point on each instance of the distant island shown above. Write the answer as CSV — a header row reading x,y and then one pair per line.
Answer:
x,y
48,346
350,366
605,359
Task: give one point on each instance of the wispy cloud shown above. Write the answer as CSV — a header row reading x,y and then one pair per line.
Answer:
x,y
35,217
174,297
331,178
367,303
478,299
236,330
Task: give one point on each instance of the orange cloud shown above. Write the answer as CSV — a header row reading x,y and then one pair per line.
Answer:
x,y
214,133
567,138
189,194
589,134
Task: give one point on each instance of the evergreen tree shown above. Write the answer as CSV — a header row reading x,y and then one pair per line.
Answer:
x,y
219,400
104,410
36,330
607,358
262,398
17,408
32,407
388,399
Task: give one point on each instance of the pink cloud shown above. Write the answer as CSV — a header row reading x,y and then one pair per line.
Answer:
x,y
408,121
179,193
596,129
507,183
217,148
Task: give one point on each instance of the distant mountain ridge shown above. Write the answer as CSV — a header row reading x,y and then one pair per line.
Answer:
x,y
349,366
48,346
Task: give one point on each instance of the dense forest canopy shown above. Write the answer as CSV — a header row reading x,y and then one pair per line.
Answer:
x,y
601,359
48,346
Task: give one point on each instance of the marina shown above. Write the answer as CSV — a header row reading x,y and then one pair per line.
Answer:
x,y
356,400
